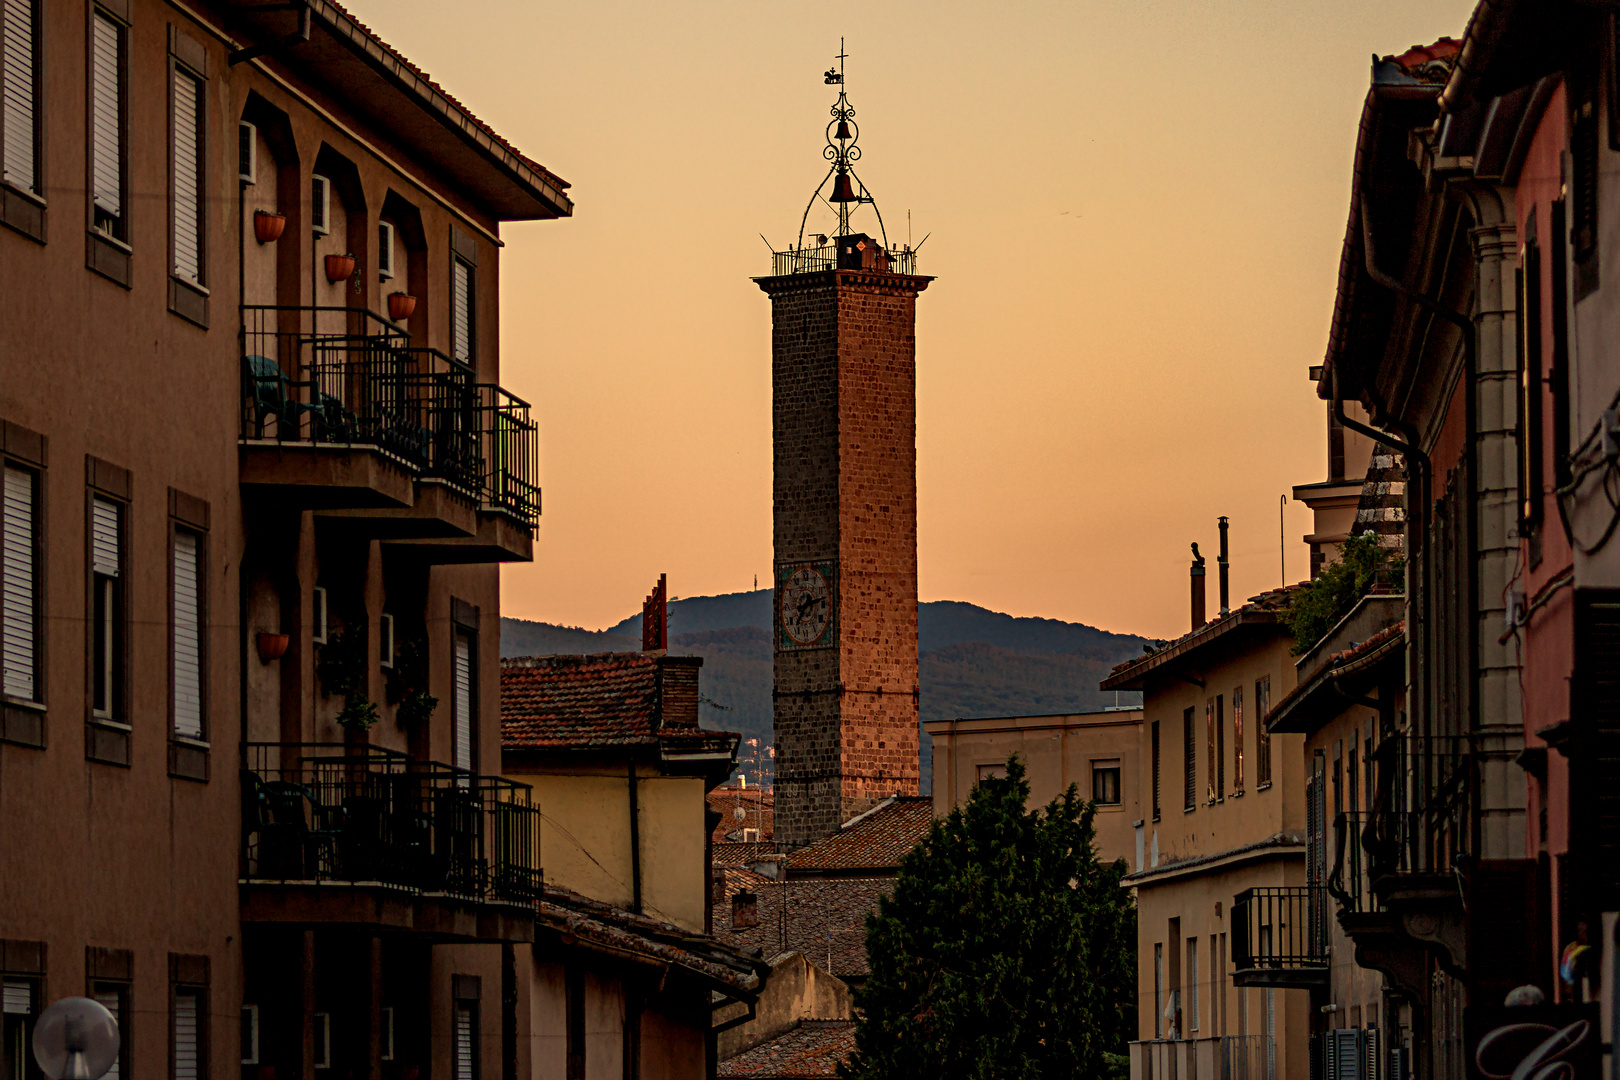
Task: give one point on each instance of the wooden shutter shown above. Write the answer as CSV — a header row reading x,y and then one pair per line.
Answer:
x,y
463,703
1342,1054
461,319
17,556
186,1058
464,1042
106,122
1155,727
187,176
187,644
18,119
1189,761
1372,1060
104,553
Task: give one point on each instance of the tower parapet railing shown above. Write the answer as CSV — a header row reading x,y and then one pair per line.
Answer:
x,y
815,260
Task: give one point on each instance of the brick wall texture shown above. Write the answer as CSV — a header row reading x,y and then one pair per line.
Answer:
x,y
843,361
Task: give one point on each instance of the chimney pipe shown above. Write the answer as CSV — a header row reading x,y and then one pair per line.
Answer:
x,y
1197,588
1225,568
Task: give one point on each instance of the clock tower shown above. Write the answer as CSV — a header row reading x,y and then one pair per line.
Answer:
x,y
844,423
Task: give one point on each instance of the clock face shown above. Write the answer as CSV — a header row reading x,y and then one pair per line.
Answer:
x,y
804,605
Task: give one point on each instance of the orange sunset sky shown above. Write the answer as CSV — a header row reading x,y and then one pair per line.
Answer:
x,y
1136,208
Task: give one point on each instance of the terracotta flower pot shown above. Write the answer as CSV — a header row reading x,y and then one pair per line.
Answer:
x,y
273,646
267,227
400,306
339,267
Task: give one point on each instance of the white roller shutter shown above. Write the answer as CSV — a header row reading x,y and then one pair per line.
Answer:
x,y
187,635
106,123
104,537
19,94
464,1042
109,1000
187,176
461,298
18,998
17,583
185,1037
463,703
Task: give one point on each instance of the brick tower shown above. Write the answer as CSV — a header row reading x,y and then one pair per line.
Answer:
x,y
844,423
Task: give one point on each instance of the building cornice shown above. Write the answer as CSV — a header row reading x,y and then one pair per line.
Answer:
x,y
1279,846
871,280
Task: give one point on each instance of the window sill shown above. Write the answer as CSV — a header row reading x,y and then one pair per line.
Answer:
x,y
189,301
23,211
106,741
109,257
1262,787
22,723
188,758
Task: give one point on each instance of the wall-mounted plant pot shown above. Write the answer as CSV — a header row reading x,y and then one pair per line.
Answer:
x,y
267,227
400,306
273,646
339,267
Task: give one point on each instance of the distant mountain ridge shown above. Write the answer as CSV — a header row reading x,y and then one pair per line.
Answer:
x,y
972,661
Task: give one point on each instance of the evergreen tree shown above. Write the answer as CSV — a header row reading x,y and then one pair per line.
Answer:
x,y
1005,950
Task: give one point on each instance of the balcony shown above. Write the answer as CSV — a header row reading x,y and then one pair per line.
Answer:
x,y
341,414
1223,1057
1279,937
340,834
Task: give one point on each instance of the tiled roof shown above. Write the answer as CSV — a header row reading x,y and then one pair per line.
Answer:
x,y
1432,63
588,702
875,840
1261,609
758,805
823,918
811,1048
602,924
726,854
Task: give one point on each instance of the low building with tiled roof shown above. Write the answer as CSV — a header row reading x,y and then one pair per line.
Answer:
x,y
743,808
869,844
811,1048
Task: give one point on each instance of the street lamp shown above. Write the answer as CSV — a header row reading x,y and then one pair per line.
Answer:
x,y
76,1039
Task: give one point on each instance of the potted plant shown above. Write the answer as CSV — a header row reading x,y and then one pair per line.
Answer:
x,y
339,267
341,668
407,684
268,227
400,306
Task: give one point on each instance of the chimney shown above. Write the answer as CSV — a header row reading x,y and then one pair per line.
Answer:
x,y
1197,588
1225,569
655,618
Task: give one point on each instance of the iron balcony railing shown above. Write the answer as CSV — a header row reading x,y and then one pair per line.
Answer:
x,y
813,260
1279,928
322,812
1422,817
346,376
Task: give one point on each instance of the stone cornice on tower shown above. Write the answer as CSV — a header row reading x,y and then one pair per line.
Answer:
x,y
882,281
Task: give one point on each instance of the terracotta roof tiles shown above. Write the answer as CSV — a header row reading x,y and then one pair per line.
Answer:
x,y
812,1048
878,839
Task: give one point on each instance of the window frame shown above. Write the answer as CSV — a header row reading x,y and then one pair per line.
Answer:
x,y
1238,785
457,634
117,229
250,1034
116,666
36,989
1154,729
1100,770
1189,755
36,191
457,262
321,1031
37,550
121,989
178,69
176,528
1262,737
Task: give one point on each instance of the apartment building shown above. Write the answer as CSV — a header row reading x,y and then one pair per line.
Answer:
x,y
259,476
1223,819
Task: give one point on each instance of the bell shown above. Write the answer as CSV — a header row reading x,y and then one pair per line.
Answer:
x,y
843,190
843,130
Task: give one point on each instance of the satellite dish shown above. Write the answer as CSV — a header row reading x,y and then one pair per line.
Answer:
x,y
76,1039
740,814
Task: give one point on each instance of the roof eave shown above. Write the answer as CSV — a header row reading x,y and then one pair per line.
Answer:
x,y
1134,676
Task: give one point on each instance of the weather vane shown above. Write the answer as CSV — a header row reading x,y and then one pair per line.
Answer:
x,y
841,150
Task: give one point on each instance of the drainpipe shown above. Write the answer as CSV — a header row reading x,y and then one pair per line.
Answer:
x,y
1197,575
1224,566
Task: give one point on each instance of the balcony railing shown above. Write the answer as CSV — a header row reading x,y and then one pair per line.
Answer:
x,y
816,259
346,376
1223,1057
319,812
1422,818
1280,929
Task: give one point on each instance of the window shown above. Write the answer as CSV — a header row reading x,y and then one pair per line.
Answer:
x,y
19,86
1237,740
318,616
1105,782
750,836
1192,984
387,1049
1530,396
385,250
985,772
1189,763
188,161
1158,989
1262,738
18,563
465,701
250,1034
1220,746
385,640
186,639
114,998
574,991
107,59
19,1006
189,1062
1217,983
463,324
1558,375
323,1040
1155,729
465,1065
107,603
320,204
247,152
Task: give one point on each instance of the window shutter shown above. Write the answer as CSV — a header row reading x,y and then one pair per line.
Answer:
x,y
104,537
17,555
187,176
109,1000
185,1037
19,93
464,1043
18,999
187,636
1371,1063
461,298
107,135
463,703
